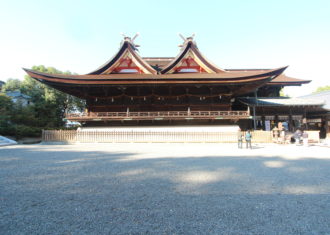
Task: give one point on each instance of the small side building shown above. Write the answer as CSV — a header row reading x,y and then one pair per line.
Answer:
x,y
18,97
319,118
292,113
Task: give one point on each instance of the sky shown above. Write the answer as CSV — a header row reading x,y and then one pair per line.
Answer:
x,y
80,36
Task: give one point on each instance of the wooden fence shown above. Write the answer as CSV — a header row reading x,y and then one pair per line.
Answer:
x,y
135,136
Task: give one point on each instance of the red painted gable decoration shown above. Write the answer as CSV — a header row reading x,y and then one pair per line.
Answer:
x,y
189,65
126,65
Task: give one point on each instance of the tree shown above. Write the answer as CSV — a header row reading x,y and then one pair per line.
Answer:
x,y
6,108
12,84
282,94
47,110
321,89
50,104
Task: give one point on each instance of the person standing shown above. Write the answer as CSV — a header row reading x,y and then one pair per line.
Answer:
x,y
240,139
248,138
282,136
297,136
305,138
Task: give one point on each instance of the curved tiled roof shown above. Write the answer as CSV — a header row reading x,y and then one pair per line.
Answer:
x,y
228,77
282,79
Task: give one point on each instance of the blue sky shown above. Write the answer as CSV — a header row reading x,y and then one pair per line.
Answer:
x,y
81,35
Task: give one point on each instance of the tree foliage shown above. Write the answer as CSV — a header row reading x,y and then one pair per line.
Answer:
x,y
321,89
50,104
12,84
47,110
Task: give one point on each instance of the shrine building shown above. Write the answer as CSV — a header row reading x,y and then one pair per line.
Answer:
x,y
186,89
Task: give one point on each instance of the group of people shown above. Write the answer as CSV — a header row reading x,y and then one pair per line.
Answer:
x,y
248,138
301,136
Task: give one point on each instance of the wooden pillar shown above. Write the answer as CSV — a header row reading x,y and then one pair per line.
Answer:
x,y
276,120
290,120
254,109
187,98
210,99
305,119
263,122
139,99
254,117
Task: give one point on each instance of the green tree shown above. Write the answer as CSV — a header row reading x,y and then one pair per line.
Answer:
x,y
320,89
282,94
6,108
47,110
5,103
12,84
50,104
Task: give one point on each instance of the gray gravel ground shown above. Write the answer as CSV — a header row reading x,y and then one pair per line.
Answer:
x,y
164,189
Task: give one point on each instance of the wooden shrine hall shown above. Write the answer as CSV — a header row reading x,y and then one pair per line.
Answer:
x,y
186,89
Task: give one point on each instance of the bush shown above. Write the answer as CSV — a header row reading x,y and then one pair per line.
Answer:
x,y
20,131
28,131
8,130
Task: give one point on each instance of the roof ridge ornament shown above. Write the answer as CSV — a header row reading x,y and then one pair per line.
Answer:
x,y
130,40
186,39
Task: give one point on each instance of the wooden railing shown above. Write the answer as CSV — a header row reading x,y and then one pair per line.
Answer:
x,y
138,136
171,115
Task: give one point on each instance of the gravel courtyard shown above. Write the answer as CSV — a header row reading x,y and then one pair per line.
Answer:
x,y
164,189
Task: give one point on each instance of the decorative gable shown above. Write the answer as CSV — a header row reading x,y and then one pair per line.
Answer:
x,y
127,60
190,64
126,64
190,60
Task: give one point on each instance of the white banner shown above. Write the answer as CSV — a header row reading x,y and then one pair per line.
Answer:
x,y
267,125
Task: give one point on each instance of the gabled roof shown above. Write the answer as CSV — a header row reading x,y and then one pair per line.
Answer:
x,y
127,51
190,50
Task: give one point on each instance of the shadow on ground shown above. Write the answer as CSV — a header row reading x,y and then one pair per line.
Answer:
x,y
51,190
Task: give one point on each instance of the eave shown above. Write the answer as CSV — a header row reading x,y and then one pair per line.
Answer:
x,y
288,83
281,80
191,78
